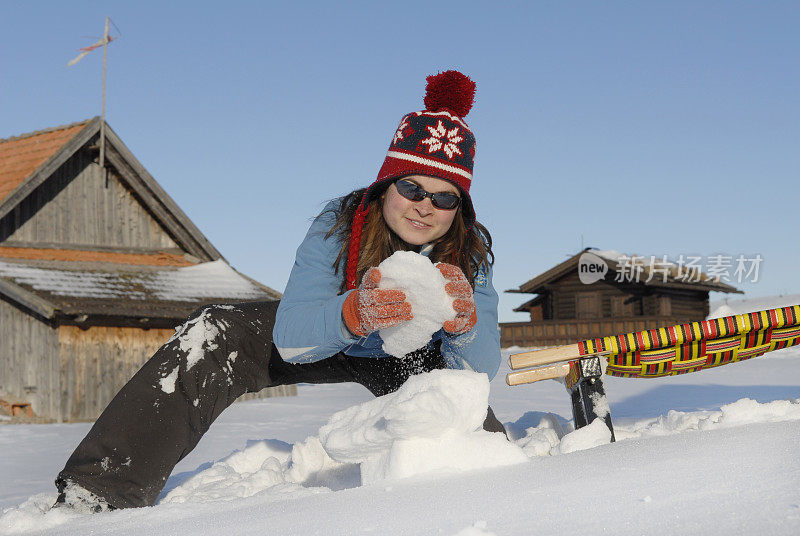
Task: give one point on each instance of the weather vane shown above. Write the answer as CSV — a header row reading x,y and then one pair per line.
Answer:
x,y
84,51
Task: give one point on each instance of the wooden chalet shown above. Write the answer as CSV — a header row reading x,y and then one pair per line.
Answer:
x,y
567,310
97,268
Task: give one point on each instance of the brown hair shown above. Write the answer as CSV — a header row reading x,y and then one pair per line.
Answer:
x,y
467,249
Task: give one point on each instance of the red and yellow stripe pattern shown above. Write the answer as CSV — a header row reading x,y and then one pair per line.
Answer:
x,y
699,345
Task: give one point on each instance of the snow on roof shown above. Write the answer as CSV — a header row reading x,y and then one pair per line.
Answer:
x,y
608,254
207,280
652,263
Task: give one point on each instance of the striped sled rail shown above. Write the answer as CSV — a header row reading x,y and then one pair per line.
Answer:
x,y
654,353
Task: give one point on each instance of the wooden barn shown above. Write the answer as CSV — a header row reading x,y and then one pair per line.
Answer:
x,y
97,268
625,297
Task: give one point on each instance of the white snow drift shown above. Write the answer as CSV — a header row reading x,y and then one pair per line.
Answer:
x,y
433,423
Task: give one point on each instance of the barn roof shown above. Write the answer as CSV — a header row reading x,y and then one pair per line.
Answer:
x,y
525,307
28,160
615,262
84,285
74,290
21,155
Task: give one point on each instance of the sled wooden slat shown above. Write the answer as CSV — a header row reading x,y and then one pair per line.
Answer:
x,y
538,374
545,356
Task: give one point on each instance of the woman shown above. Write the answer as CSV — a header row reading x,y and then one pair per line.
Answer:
x,y
325,328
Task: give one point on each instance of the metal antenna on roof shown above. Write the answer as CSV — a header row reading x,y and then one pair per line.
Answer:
x,y
84,51
103,113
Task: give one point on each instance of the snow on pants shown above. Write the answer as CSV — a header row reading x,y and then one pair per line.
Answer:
x,y
220,353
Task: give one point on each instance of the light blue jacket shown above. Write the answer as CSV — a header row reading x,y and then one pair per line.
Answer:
x,y
309,324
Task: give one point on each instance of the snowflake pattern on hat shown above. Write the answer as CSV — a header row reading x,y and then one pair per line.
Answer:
x,y
444,140
401,131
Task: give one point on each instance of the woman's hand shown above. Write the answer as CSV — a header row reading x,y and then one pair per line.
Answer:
x,y
369,308
458,288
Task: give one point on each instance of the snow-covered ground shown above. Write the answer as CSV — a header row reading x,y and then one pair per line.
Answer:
x,y
715,452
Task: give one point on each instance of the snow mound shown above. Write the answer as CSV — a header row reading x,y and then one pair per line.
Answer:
x,y
548,439
423,285
268,468
477,529
432,423
593,435
259,467
742,412
35,513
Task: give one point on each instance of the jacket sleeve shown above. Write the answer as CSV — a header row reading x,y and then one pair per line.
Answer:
x,y
309,325
479,348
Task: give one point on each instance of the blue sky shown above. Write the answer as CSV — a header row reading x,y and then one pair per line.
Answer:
x,y
656,128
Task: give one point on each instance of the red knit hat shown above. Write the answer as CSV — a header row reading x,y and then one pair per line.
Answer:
x,y
435,142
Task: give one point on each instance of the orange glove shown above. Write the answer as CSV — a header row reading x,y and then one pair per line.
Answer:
x,y
370,308
458,288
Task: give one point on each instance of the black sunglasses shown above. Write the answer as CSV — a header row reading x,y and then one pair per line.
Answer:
x,y
415,192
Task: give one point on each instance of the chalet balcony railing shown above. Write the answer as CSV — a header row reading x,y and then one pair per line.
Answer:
x,y
555,332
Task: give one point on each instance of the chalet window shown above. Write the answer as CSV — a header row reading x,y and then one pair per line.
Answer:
x,y
588,305
619,307
626,306
664,306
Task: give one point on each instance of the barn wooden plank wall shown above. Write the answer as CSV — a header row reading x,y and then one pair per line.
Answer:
x,y
610,300
29,366
97,362
75,207
556,332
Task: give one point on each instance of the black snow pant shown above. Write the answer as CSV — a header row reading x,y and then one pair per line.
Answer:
x,y
221,352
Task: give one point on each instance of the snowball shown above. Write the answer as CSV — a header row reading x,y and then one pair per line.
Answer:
x,y
423,285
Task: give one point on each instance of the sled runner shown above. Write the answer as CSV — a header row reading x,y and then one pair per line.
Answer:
x,y
653,353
